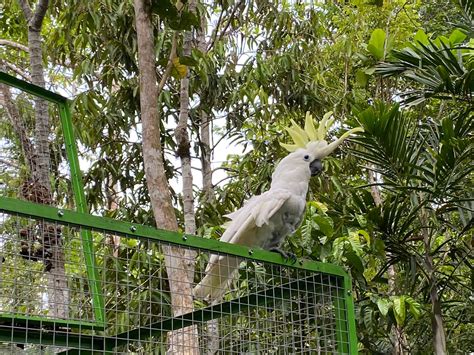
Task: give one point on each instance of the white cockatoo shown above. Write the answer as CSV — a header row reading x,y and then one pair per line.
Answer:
x,y
265,220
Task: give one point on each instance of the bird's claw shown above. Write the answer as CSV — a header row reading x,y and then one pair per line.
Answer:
x,y
288,256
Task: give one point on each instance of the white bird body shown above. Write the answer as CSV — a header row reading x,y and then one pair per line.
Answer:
x,y
265,220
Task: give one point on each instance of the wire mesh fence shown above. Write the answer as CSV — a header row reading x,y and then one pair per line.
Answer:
x,y
28,158
47,304
74,283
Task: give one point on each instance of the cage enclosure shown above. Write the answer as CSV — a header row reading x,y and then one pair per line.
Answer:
x,y
66,287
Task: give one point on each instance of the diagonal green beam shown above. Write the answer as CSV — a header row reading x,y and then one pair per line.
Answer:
x,y
81,206
31,88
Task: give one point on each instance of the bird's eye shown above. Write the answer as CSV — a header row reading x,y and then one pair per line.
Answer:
x,y
306,157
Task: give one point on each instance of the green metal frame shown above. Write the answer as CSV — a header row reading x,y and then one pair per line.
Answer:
x,y
77,185
345,327
345,320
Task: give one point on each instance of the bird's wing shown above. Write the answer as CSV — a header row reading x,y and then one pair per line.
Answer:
x,y
269,203
221,268
255,213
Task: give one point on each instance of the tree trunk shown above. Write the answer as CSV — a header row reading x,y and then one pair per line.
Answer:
x,y
178,268
182,138
57,287
212,326
205,129
437,324
184,153
397,337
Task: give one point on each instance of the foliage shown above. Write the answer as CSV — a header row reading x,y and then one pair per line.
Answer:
x,y
269,62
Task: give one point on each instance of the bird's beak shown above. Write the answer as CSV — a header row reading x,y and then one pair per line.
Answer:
x,y
316,167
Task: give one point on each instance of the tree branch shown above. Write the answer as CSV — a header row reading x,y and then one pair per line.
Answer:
x,y
19,127
17,70
13,44
218,37
40,11
26,9
169,66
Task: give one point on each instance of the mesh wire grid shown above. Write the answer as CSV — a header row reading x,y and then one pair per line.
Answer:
x,y
77,288
267,308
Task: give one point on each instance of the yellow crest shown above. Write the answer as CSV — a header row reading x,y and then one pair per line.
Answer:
x,y
311,133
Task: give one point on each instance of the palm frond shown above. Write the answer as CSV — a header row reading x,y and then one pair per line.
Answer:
x,y
467,7
437,67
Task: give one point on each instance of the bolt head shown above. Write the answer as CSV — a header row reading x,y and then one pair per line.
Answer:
x,y
250,251
60,213
185,238
133,228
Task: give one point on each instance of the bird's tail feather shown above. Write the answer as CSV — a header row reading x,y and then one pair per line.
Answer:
x,y
219,274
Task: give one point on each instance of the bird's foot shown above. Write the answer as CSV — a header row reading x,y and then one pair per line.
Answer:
x,y
286,255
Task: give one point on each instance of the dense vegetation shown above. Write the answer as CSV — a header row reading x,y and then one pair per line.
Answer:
x,y
394,205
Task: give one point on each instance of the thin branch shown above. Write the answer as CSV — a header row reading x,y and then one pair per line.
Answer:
x,y
169,66
13,44
17,70
216,30
218,37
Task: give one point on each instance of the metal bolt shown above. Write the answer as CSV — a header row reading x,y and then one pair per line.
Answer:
x,y
60,213
133,228
250,251
301,262
349,292
185,238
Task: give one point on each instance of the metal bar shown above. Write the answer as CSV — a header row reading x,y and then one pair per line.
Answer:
x,y
97,342
351,323
49,337
9,319
342,329
266,297
81,206
137,231
31,88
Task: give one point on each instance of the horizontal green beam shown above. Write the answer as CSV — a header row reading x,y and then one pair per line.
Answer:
x,y
8,319
31,88
137,231
54,338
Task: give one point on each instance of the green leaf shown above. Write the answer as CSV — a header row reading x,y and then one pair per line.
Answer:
x,y
384,306
365,235
376,44
361,78
421,37
361,220
165,9
355,261
324,224
188,60
415,307
185,22
457,37
399,309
